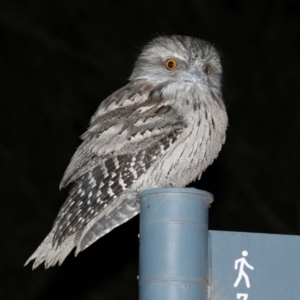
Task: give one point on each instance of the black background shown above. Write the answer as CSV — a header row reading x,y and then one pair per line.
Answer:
x,y
59,59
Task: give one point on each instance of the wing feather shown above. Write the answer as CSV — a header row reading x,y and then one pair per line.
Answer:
x,y
138,136
122,129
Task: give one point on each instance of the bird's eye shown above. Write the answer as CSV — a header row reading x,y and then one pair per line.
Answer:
x,y
208,69
171,64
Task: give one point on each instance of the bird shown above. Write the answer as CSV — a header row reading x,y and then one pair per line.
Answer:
x,y
162,129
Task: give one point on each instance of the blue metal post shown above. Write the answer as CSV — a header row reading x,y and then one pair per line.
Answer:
x,y
173,244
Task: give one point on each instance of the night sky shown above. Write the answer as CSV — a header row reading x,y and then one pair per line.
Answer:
x,y
60,59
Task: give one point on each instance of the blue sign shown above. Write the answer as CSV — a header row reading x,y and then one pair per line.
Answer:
x,y
253,266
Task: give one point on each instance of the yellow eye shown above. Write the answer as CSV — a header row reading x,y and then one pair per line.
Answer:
x,y
208,69
171,64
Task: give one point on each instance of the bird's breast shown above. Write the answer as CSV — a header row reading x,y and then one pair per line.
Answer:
x,y
196,147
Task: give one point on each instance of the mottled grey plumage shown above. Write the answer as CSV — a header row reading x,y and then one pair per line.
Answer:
x,y
162,129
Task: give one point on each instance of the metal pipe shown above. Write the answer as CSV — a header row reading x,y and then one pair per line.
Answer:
x,y
173,244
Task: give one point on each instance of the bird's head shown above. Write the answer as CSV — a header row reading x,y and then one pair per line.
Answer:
x,y
179,59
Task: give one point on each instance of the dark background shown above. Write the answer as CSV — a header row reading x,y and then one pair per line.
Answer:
x,y
59,59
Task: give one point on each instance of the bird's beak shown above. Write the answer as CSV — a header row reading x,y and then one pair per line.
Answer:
x,y
197,75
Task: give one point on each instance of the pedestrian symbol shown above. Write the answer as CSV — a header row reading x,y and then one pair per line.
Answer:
x,y
240,264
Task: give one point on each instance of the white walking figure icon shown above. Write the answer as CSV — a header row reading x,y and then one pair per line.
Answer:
x,y
241,263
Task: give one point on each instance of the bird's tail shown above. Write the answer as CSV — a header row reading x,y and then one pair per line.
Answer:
x,y
102,224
